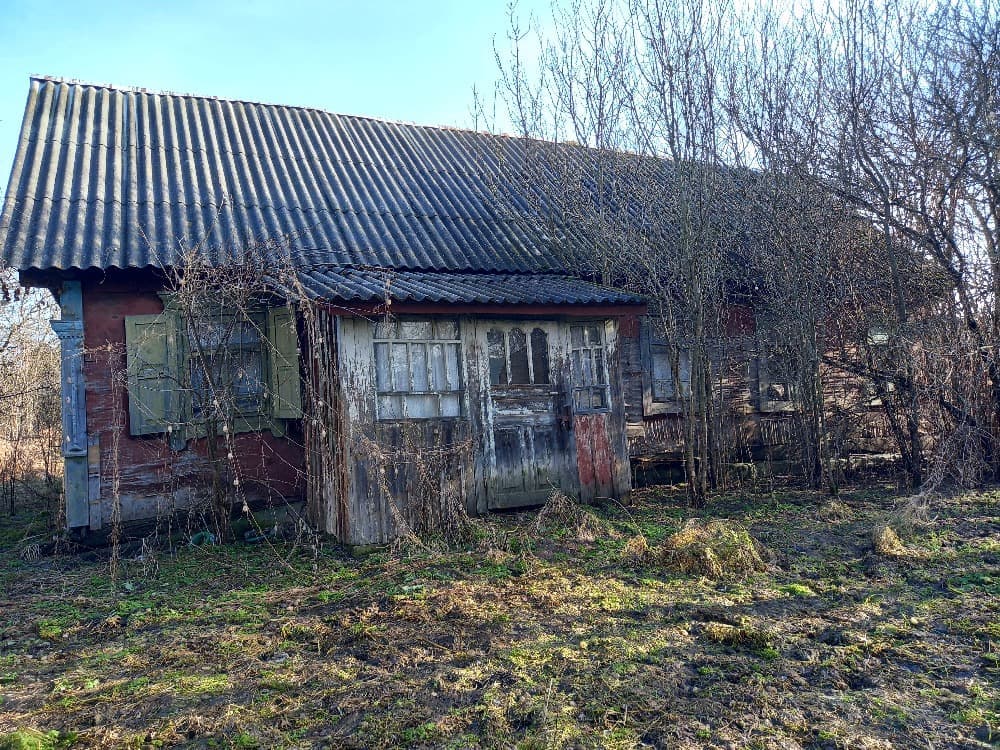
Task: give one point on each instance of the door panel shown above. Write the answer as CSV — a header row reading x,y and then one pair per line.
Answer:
x,y
521,402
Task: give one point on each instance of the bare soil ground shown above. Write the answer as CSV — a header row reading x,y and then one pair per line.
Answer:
x,y
560,638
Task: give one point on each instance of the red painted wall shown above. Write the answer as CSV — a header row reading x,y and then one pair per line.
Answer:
x,y
268,467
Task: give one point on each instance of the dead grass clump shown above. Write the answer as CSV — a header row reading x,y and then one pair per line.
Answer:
x,y
564,512
746,635
886,542
834,511
636,550
715,549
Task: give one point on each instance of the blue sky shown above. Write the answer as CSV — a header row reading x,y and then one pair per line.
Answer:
x,y
415,61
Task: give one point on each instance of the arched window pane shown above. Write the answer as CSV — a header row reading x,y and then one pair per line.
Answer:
x,y
519,357
498,357
540,355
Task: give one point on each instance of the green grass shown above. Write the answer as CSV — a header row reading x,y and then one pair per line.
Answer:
x,y
531,641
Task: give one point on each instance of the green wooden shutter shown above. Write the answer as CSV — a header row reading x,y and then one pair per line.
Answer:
x,y
153,386
286,394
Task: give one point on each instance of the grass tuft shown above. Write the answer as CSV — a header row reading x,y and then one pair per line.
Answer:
x,y
714,549
886,542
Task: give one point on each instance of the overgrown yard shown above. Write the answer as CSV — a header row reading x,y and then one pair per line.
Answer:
x,y
574,633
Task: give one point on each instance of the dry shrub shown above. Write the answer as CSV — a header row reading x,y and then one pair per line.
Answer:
x,y
834,511
716,549
636,550
564,512
886,542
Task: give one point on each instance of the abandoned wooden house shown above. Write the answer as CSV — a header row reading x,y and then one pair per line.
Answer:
x,y
494,356
421,334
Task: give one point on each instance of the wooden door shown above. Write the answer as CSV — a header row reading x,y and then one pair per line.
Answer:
x,y
523,442
601,456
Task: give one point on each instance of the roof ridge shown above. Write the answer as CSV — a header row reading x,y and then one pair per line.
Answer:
x,y
237,100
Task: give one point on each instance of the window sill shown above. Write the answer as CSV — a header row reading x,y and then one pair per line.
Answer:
x,y
777,407
651,409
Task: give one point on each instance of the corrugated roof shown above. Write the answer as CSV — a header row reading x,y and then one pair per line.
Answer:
x,y
362,285
112,177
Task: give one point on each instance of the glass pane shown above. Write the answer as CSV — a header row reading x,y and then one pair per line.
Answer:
x,y
208,333
400,368
576,336
439,378
452,367
518,357
246,334
390,407
420,406
418,367
447,330
382,380
387,329
663,390
597,398
600,376
586,367
577,367
593,335
540,355
416,330
451,405
496,343
247,378
661,363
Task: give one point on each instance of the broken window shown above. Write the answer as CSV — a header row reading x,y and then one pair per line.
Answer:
x,y
589,368
517,358
417,369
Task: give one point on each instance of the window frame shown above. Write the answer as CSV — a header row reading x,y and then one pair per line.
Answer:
x,y
528,331
179,420
257,318
390,342
648,343
767,338
576,387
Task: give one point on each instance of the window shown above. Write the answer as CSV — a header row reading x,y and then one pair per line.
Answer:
x,y
243,368
589,368
417,369
775,382
664,387
226,363
518,359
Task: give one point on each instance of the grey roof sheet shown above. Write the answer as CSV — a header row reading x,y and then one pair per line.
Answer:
x,y
364,285
109,177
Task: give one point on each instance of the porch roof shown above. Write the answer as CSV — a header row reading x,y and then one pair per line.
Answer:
x,y
378,285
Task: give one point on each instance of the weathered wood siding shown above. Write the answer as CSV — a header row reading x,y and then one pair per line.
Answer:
x,y
512,445
141,477
746,431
